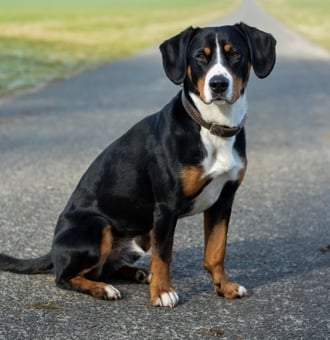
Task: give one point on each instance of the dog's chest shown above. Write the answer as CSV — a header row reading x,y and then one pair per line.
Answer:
x,y
221,164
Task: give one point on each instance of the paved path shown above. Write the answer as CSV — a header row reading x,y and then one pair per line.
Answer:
x,y
280,221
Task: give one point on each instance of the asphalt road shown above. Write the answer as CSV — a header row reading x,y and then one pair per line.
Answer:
x,y
280,221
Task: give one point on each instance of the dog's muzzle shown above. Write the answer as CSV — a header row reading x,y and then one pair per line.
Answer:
x,y
219,86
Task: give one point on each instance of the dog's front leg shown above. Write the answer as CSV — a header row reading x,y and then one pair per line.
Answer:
x,y
161,290
216,220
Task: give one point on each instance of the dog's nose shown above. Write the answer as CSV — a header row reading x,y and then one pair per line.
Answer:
x,y
219,84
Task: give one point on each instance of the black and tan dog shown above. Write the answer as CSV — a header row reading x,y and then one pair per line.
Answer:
x,y
186,159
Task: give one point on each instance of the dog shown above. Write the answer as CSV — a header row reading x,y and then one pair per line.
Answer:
x,y
186,159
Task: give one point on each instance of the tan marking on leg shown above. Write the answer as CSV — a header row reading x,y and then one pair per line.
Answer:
x,y
105,249
215,247
214,256
96,289
99,290
106,243
160,278
192,179
160,282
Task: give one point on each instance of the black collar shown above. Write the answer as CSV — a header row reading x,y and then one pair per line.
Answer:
x,y
214,128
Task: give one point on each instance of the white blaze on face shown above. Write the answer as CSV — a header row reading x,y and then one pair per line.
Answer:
x,y
217,69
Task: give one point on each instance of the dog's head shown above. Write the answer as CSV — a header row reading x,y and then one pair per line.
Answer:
x,y
214,63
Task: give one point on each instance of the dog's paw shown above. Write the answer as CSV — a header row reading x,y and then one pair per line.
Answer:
x,y
166,299
231,290
111,293
242,291
143,276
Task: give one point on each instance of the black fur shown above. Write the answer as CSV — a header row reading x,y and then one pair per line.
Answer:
x,y
135,186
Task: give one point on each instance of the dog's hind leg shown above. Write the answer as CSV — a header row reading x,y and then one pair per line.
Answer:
x,y
124,255
135,273
99,290
79,254
139,274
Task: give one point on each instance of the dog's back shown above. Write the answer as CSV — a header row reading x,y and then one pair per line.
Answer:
x,y
186,159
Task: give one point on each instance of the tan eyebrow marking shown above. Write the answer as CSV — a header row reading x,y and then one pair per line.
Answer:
x,y
227,47
207,51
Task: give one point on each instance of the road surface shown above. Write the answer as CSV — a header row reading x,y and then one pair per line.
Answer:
x,y
280,221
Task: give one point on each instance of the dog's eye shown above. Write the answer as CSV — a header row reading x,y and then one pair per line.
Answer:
x,y
201,58
235,55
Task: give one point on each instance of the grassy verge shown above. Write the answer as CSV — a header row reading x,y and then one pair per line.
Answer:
x,y
44,40
309,17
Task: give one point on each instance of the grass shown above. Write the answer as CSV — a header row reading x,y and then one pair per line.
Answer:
x,y
311,18
45,40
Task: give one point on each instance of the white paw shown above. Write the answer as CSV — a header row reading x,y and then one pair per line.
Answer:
x,y
242,291
168,299
111,293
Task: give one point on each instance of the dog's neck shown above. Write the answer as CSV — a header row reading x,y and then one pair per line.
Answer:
x,y
221,119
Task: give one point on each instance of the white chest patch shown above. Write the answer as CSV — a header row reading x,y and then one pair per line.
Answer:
x,y
222,164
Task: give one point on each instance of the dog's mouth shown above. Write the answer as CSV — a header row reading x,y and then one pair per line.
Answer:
x,y
220,100
224,98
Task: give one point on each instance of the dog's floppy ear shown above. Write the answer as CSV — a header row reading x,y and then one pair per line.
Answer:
x,y
174,54
261,47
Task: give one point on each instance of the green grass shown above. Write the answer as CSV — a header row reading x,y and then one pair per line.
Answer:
x,y
311,18
45,40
